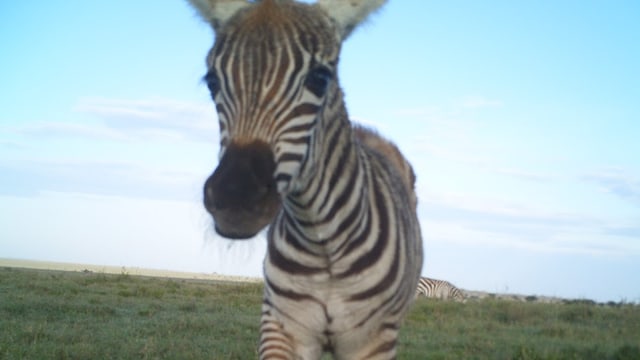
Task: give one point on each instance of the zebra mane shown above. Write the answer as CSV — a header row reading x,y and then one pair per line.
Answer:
x,y
371,139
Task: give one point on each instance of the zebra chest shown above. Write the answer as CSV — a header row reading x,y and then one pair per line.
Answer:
x,y
319,303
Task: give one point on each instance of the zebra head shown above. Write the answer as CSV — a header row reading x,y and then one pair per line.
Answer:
x,y
272,75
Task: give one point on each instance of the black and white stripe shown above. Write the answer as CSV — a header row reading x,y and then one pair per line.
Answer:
x,y
438,289
344,251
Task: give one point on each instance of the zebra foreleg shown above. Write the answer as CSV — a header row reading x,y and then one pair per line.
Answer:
x,y
375,346
276,342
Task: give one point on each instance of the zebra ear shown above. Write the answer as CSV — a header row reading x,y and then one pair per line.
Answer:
x,y
349,13
217,12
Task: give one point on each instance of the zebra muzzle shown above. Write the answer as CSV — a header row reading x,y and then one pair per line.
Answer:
x,y
241,194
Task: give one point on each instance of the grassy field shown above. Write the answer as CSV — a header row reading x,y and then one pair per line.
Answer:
x,y
75,315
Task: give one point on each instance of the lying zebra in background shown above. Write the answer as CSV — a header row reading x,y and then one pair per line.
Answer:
x,y
439,289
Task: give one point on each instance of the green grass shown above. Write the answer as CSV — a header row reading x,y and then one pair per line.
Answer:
x,y
72,315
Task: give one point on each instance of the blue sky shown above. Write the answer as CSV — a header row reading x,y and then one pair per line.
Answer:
x,y
521,119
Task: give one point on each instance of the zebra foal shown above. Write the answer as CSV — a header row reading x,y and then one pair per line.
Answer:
x,y
344,248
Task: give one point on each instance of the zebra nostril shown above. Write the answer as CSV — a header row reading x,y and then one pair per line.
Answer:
x,y
209,197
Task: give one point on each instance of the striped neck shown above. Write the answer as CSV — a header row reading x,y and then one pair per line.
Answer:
x,y
330,188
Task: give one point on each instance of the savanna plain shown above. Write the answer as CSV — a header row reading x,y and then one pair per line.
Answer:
x,y
48,314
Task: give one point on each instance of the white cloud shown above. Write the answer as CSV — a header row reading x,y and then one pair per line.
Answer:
x,y
64,129
11,144
508,194
502,200
617,181
524,174
479,102
128,120
155,118
504,209
131,178
157,109
474,220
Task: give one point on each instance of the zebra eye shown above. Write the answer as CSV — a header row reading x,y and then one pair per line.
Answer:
x,y
318,80
212,82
